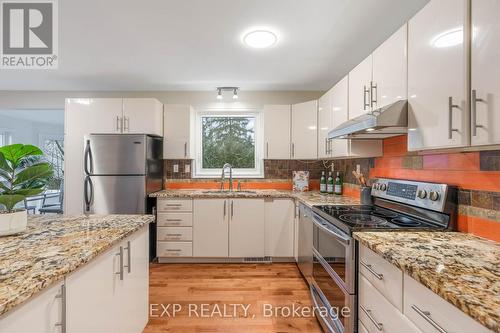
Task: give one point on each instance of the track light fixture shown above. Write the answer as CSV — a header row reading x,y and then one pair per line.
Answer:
x,y
221,89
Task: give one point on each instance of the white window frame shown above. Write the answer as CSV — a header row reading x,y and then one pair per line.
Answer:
x,y
6,137
258,171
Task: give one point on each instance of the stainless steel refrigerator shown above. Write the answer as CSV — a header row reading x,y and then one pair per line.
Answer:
x,y
120,171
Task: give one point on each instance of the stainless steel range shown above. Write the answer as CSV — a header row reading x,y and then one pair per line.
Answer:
x,y
397,205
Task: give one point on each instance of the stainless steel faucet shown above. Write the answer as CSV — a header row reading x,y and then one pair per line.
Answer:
x,y
223,176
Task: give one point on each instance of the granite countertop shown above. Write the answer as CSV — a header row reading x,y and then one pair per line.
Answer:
x,y
309,198
461,268
54,246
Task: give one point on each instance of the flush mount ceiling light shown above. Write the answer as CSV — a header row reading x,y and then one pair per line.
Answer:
x,y
233,89
449,38
260,38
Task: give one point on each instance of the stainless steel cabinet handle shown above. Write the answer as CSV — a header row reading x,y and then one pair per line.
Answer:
x,y
225,203
174,220
473,106
62,296
126,124
267,149
368,313
173,205
154,214
293,149
118,122
371,270
173,250
120,254
366,93
373,99
450,117
175,235
185,149
427,316
129,257
326,146
232,208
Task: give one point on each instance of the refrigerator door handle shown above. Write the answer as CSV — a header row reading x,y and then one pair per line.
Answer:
x,y
87,160
88,193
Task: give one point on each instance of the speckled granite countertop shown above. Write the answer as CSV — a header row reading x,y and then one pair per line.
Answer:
x,y
461,268
310,198
54,246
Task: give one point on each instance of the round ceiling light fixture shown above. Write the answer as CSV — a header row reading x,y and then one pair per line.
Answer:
x,y
260,39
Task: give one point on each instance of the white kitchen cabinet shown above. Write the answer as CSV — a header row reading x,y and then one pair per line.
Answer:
x,y
210,228
437,74
142,116
342,147
390,70
101,299
360,88
246,228
304,130
280,224
277,122
177,131
41,314
296,215
325,124
485,73
427,310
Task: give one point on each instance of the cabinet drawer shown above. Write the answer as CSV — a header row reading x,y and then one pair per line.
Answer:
x,y
377,314
174,233
382,275
175,205
174,219
426,309
175,249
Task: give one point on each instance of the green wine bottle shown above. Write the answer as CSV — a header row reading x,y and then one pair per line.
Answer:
x,y
329,184
338,184
322,183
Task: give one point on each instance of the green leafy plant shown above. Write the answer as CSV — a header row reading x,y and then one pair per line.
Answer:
x,y
21,175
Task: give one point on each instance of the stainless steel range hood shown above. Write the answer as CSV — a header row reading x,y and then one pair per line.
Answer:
x,y
387,121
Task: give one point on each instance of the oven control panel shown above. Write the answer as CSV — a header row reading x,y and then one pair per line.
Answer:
x,y
420,194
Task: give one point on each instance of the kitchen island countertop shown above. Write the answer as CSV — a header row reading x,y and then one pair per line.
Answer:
x,y
54,246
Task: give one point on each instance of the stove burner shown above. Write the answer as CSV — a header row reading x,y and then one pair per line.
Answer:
x,y
384,213
334,209
365,219
404,221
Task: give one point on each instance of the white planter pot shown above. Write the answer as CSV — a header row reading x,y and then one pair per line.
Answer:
x,y
13,223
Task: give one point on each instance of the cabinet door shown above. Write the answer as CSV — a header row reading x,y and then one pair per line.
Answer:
x,y
389,70
485,72
339,96
325,123
279,217
176,127
437,77
142,115
135,295
39,314
210,227
246,228
359,88
277,131
91,294
84,116
304,130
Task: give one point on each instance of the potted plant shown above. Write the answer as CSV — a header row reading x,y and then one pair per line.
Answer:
x,y
22,174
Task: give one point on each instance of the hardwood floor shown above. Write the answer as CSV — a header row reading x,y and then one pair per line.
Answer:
x,y
196,290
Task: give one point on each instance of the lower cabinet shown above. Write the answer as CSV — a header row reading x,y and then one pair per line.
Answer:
x,y
280,227
110,294
210,228
246,228
42,314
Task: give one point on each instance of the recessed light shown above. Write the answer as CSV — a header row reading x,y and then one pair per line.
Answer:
x,y
260,39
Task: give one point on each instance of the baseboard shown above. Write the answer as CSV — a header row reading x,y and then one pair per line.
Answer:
x,y
200,260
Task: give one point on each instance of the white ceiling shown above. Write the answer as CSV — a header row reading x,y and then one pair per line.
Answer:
x,y
196,44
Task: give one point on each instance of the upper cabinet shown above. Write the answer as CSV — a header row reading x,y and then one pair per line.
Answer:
x,y
142,115
485,73
437,76
304,130
177,129
277,126
390,70
360,88
325,124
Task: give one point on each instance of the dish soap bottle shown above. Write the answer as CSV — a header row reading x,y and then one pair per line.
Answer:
x,y
338,184
322,183
329,184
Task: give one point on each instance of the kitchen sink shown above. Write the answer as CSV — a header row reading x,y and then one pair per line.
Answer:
x,y
228,192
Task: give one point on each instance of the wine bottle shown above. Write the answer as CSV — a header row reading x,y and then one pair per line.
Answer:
x,y
329,184
338,184
322,183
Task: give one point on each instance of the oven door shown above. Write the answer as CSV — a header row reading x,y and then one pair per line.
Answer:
x,y
337,250
335,306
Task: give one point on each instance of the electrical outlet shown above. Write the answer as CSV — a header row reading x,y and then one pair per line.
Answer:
x,y
176,167
358,168
187,168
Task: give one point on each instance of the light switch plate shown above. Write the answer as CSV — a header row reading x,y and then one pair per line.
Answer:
x,y
176,167
187,168
358,168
